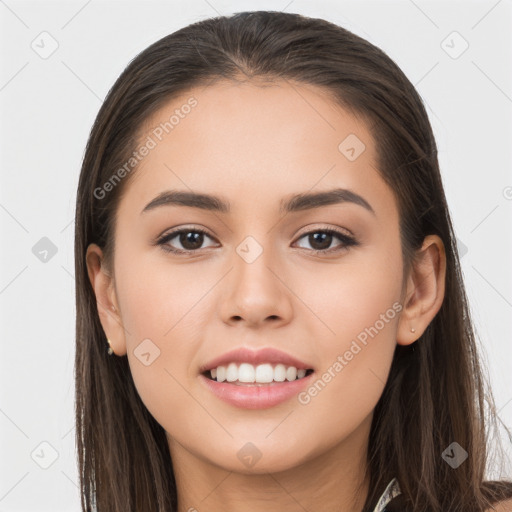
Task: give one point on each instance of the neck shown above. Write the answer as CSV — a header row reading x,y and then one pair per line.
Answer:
x,y
332,481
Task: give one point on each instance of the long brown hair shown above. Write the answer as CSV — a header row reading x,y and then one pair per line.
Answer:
x,y
436,393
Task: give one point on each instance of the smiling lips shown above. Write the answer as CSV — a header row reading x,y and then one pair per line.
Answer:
x,y
255,379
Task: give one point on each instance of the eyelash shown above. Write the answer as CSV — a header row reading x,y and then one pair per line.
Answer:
x,y
347,241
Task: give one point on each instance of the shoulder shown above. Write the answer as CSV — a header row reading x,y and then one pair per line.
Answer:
x,y
502,506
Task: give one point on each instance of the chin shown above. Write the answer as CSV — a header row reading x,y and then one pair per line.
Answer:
x,y
257,458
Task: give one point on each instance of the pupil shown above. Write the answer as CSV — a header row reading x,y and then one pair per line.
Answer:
x,y
325,236
193,238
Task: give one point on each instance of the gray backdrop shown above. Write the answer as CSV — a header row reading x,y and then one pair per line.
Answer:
x,y
58,61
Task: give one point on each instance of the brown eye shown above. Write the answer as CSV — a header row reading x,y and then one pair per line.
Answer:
x,y
321,240
191,240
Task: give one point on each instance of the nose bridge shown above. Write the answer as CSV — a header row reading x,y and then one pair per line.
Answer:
x,y
255,293
254,257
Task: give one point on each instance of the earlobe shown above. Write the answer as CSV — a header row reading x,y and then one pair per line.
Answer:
x,y
425,290
108,310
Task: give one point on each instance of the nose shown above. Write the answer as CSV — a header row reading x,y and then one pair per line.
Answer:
x,y
256,293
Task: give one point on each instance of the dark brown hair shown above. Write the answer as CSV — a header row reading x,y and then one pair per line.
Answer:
x,y
436,392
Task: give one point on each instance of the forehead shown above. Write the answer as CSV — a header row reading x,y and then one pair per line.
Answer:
x,y
248,141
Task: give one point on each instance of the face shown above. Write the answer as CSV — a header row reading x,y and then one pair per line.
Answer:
x,y
289,283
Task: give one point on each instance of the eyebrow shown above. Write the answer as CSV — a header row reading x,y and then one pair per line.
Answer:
x,y
294,203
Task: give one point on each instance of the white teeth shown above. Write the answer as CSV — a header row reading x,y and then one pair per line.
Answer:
x,y
246,373
232,372
263,373
221,374
291,373
280,373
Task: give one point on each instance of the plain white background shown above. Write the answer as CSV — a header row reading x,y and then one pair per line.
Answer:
x,y
48,105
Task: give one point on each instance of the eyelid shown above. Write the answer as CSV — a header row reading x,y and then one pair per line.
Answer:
x,y
344,235
325,227
304,231
346,240
171,233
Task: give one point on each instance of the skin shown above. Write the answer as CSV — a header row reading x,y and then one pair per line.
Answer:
x,y
254,146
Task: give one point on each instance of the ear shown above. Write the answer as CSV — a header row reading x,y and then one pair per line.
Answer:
x,y
425,290
108,309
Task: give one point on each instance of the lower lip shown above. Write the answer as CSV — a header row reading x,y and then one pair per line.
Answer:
x,y
256,397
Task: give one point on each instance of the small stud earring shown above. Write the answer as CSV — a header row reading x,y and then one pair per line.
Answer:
x,y
113,308
413,329
110,351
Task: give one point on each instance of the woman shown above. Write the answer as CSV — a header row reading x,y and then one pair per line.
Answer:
x,y
270,309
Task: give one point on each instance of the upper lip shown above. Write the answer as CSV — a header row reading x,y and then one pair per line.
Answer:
x,y
264,355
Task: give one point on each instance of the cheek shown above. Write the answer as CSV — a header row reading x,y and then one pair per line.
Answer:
x,y
160,308
354,369
359,307
352,296
162,301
